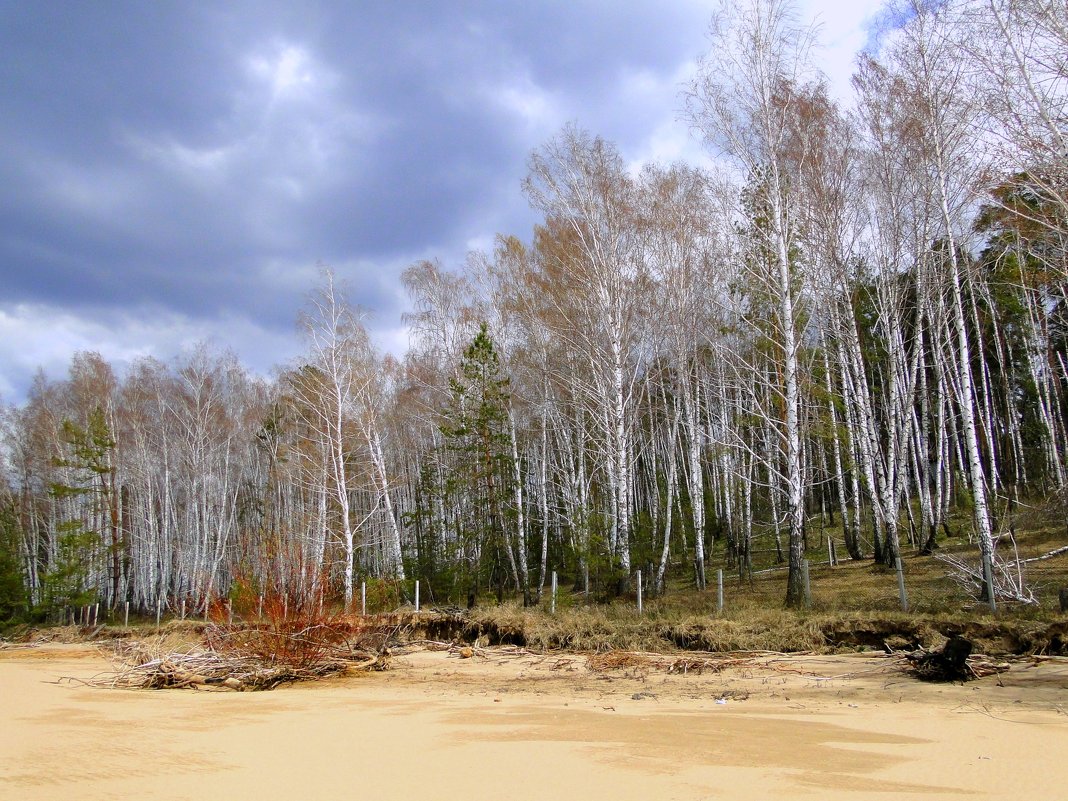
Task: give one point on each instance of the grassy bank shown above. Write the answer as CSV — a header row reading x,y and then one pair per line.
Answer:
x,y
663,628
612,627
855,605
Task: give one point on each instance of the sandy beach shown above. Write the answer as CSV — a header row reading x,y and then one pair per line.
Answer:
x,y
508,724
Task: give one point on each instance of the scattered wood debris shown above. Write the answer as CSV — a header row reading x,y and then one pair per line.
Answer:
x,y
681,665
688,664
230,659
466,651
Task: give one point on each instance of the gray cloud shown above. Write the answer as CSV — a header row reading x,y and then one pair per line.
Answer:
x,y
193,163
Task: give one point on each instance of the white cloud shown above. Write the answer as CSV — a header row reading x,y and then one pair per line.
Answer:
x,y
294,278
670,139
393,340
288,71
537,109
670,142
482,242
843,33
36,336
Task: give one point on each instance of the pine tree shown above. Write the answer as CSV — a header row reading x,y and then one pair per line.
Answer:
x,y
68,582
13,598
477,438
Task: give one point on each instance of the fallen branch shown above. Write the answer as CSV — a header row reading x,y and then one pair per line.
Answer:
x,y
1050,555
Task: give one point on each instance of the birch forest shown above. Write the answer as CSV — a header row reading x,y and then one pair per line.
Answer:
x,y
855,322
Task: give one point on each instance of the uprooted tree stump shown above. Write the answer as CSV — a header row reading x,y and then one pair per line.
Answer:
x,y
949,664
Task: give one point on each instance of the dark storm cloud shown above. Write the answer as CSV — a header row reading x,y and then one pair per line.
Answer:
x,y
203,158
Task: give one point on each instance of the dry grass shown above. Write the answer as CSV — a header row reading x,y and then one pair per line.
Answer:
x,y
854,605
617,627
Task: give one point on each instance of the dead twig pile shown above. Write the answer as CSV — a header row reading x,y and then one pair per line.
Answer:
x,y
1007,574
295,643
619,660
209,669
245,658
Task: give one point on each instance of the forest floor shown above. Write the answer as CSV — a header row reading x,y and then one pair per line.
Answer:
x,y
504,722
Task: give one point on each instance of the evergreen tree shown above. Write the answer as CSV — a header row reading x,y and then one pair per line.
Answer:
x,y
67,582
12,588
478,440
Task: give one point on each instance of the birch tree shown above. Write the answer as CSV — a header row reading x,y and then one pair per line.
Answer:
x,y
580,182
741,104
327,389
925,59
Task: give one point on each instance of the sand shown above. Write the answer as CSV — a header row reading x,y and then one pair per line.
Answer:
x,y
509,725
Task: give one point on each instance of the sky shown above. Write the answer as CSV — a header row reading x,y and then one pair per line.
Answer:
x,y
176,172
